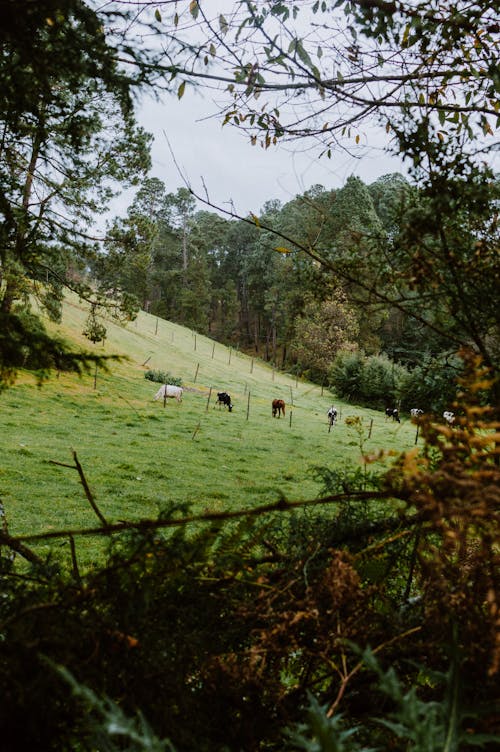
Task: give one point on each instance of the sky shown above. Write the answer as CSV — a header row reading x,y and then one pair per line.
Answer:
x,y
188,139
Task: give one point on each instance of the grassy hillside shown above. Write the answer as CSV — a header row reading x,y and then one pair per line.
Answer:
x,y
138,456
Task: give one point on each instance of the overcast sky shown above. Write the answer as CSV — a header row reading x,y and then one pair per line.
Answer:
x,y
230,167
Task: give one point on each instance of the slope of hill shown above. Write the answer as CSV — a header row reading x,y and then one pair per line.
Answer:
x,y
140,457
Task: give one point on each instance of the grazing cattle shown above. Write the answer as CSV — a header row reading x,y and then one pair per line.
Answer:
x,y
392,412
332,415
169,390
278,407
416,412
449,417
223,398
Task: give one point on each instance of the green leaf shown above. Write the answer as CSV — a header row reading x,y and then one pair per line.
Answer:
x,y
194,8
158,15
180,90
303,55
224,26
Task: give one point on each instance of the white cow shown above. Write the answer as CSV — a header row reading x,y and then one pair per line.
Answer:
x,y
449,417
169,390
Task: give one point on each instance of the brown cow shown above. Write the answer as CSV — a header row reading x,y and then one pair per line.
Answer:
x,y
278,407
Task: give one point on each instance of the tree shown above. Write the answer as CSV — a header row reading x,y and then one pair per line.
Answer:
x,y
426,73
323,330
68,139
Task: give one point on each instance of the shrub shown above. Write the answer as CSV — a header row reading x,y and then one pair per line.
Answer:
x,y
163,377
374,381
430,385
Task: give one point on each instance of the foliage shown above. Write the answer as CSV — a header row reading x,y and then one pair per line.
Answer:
x,y
162,377
111,723
372,380
94,330
264,614
319,733
68,139
321,332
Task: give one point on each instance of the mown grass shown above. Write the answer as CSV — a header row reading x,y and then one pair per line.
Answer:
x,y
139,456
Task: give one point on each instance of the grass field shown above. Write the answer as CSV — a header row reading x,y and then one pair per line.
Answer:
x,y
138,456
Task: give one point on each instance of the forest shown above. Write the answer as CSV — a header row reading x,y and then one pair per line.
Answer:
x,y
364,619
246,283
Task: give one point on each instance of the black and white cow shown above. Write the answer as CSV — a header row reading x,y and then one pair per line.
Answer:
x,y
332,415
223,398
392,412
449,417
416,412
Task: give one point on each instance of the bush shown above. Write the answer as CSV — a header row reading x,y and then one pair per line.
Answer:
x,y
431,385
163,377
374,381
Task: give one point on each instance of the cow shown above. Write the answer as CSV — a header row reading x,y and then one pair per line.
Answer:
x,y
332,415
169,390
223,398
449,417
392,412
416,412
278,407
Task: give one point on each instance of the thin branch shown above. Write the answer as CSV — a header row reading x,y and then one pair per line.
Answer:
x,y
148,524
86,488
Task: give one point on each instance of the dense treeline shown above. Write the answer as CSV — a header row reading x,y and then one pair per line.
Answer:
x,y
247,283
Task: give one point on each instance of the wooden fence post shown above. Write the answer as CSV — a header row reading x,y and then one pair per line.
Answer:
x,y
196,374
248,405
208,400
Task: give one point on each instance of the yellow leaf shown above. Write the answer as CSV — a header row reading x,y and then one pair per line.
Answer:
x,y
357,139
282,249
255,219
49,22
180,90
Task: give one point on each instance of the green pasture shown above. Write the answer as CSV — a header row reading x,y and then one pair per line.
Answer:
x,y
139,456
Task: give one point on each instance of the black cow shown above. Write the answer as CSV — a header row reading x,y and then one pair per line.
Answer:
x,y
392,412
223,398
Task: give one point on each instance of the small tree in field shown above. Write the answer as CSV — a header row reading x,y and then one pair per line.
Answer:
x,y
322,331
